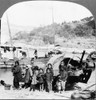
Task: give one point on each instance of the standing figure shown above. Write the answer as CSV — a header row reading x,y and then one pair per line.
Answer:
x,y
32,64
59,84
35,54
24,61
40,78
49,79
17,74
28,76
51,68
63,74
34,80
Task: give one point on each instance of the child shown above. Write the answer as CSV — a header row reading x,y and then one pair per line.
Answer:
x,y
34,80
59,84
28,76
63,74
50,67
48,78
40,78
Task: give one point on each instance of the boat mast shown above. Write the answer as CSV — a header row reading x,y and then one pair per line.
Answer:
x,y
11,42
53,22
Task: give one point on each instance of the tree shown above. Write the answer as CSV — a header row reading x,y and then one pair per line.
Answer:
x,y
47,39
83,30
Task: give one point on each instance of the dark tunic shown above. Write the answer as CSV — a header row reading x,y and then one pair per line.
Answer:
x,y
17,76
48,77
40,77
63,72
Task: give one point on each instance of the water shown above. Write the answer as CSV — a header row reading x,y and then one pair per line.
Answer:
x,y
6,75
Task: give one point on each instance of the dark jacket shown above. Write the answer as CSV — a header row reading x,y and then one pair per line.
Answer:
x,y
48,77
17,72
61,68
63,75
40,77
51,70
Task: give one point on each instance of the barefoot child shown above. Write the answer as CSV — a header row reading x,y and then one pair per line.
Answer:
x,y
34,80
59,84
48,78
40,78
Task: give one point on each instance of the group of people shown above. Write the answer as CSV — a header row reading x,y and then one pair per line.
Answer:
x,y
32,76
44,79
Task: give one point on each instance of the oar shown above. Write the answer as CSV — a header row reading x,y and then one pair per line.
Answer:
x,y
82,58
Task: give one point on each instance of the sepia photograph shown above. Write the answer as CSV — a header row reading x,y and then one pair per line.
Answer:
x,y
47,50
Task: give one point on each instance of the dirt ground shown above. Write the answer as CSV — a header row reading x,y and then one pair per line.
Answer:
x,y
26,94
78,44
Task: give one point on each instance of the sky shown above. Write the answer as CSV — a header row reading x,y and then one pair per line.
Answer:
x,y
40,13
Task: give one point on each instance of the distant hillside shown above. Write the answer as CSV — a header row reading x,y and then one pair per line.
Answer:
x,y
45,35
89,21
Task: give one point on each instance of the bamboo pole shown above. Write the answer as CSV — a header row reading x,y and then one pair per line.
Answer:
x,y
10,34
53,23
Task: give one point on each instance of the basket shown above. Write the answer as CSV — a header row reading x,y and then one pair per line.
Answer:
x,y
7,87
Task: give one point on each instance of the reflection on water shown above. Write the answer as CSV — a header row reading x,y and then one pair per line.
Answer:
x,y
6,75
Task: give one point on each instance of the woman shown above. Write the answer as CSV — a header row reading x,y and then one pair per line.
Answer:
x,y
17,74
